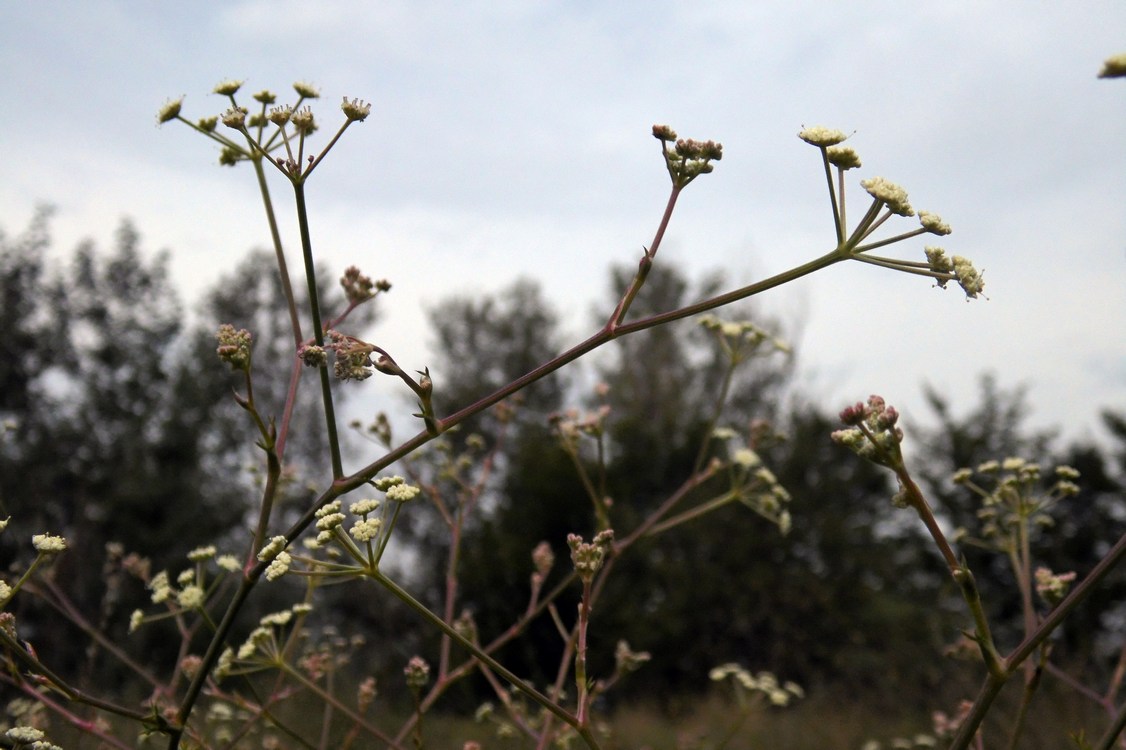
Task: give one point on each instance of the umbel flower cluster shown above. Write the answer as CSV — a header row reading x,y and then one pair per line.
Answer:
x,y
293,123
888,199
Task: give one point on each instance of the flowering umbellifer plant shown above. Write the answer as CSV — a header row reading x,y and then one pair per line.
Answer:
x,y
207,599
1013,510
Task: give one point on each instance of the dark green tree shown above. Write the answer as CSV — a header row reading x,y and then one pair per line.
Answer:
x,y
484,344
120,425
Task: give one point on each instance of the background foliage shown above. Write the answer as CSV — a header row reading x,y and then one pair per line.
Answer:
x,y
119,431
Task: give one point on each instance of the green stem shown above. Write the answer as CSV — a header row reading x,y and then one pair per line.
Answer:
x,y
890,240
1029,691
703,508
717,412
17,651
290,299
318,332
980,708
332,700
485,658
838,208
1053,620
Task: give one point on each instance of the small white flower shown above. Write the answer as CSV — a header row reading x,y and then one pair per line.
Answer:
x,y
202,553
228,87
746,457
306,90
403,492
363,507
766,476
365,530
277,618
933,223
190,597
969,278
276,545
356,110
330,522
843,157
894,196
169,111
821,136
279,566
24,734
228,563
160,587
384,483
136,619
48,543
235,117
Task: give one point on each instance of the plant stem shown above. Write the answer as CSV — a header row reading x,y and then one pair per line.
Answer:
x,y
1054,618
485,658
646,261
318,331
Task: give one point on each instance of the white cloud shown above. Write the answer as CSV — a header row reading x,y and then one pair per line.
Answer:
x,y
511,138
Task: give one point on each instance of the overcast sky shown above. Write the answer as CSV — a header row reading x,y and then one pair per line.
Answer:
x,y
513,138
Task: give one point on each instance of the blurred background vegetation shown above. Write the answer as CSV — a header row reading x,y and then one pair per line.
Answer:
x,y
121,434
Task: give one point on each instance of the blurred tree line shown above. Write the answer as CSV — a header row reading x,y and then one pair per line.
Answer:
x,y
119,429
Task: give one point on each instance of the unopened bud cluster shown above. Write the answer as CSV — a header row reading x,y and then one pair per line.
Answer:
x,y
234,346
1053,587
293,121
589,556
872,432
686,159
360,288
417,673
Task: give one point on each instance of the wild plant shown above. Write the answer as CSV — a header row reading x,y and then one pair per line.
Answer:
x,y
227,690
